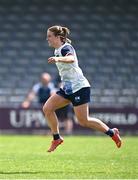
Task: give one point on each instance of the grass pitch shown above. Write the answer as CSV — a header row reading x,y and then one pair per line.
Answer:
x,y
80,157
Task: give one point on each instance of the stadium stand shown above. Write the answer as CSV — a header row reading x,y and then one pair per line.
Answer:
x,y
105,34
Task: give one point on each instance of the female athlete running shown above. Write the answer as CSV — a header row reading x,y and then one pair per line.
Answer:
x,y
75,89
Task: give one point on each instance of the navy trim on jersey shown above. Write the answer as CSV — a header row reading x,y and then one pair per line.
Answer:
x,y
67,50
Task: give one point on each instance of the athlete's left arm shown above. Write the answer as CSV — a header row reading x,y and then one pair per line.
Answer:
x,y
65,59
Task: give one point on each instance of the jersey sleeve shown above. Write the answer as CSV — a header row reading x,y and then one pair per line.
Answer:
x,y
67,50
36,88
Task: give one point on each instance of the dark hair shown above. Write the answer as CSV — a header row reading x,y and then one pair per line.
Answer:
x,y
63,32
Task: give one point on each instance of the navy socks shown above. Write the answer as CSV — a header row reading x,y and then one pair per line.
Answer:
x,y
110,132
56,136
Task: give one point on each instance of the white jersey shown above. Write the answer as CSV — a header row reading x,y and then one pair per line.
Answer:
x,y
71,75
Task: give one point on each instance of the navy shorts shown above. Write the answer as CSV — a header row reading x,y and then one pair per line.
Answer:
x,y
80,97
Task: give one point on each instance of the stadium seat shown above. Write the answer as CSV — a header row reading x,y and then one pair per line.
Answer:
x,y
105,39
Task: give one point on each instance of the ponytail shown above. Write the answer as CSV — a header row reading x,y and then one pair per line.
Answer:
x,y
63,32
68,40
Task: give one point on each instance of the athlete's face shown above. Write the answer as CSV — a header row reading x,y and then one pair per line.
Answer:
x,y
52,39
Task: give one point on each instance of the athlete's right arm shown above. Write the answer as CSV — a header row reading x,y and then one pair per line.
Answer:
x,y
65,59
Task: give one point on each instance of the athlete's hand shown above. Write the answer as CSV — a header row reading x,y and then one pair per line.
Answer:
x,y
52,60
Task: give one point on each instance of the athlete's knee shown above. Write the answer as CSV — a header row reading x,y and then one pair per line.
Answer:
x,y
47,109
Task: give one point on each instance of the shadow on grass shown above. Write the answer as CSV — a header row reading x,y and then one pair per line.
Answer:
x,y
47,172
25,172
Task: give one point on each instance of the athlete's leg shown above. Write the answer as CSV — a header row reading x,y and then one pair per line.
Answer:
x,y
53,103
82,113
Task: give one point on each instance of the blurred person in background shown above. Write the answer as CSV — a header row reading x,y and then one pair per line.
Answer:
x,y
75,89
43,90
